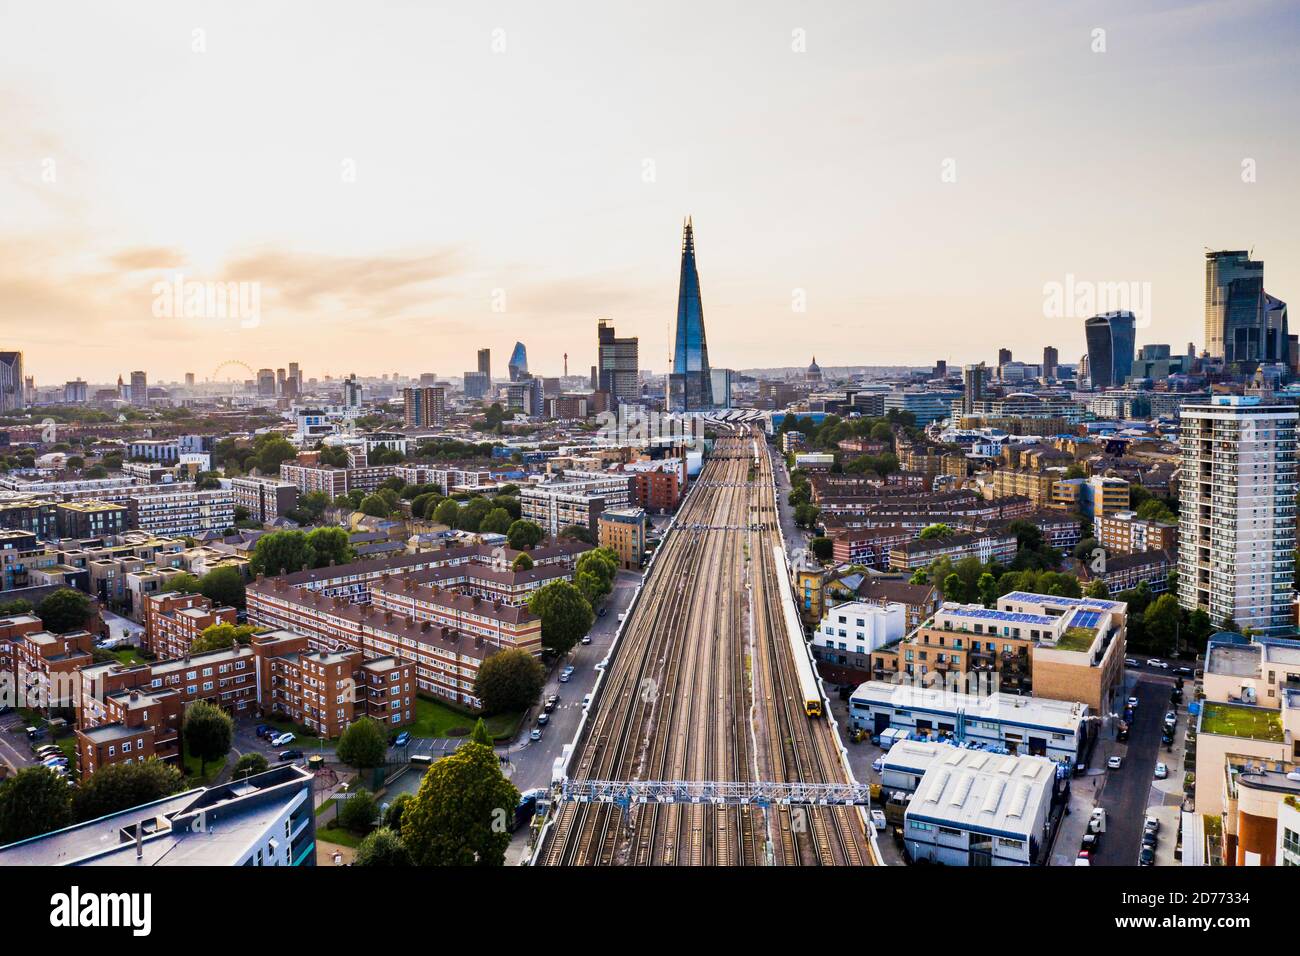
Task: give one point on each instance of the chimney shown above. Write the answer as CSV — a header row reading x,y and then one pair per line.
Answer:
x,y
139,840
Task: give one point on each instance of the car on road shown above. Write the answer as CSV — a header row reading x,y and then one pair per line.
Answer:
x,y
1185,671
586,701
551,702
878,819
1092,842
564,677
1082,861
279,740
403,739
543,719
1149,838
287,755
1131,662
586,638
1152,822
1152,662
1085,855
602,612
536,734
1167,739
1161,771
1115,762
1147,857
1097,822
1132,703
262,730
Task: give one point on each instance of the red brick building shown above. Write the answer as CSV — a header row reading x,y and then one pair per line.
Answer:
x,y
173,620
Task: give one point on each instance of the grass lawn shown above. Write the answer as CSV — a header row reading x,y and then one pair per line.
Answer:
x,y
435,719
192,767
1234,720
338,835
128,656
1076,639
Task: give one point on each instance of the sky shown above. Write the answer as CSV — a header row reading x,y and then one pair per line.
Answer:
x,y
400,184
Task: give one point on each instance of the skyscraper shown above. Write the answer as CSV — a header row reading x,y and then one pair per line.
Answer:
x,y
11,381
972,387
1110,340
1237,528
617,363
424,407
690,386
139,389
518,363
1004,356
1050,360
485,363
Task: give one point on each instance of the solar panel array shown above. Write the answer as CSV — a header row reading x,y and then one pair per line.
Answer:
x,y
1009,617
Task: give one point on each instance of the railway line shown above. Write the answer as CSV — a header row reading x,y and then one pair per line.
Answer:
x,y
705,684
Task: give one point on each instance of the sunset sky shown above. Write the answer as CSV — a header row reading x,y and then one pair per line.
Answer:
x,y
522,169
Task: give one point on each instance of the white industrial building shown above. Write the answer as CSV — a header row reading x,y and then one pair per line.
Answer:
x,y
1020,725
975,808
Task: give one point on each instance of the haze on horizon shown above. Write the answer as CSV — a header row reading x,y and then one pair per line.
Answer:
x,y
408,184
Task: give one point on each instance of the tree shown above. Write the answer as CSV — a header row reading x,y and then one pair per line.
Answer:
x,y
1075,471
182,584
224,586
33,801
524,535
382,847
334,455
357,813
313,504
217,637
448,512
931,532
473,513
954,589
1161,620
496,521
522,562
509,680
208,732
270,450
594,573
374,506
822,548
249,764
118,786
578,532
462,812
64,610
1153,509
479,734
329,545
988,589
566,615
1096,589
393,815
1083,550
281,552
364,744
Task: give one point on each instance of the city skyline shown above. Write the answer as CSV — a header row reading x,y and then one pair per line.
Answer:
x,y
834,162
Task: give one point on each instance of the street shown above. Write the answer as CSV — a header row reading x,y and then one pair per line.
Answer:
x,y
1126,793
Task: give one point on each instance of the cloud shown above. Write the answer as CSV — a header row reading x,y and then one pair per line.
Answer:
x,y
147,257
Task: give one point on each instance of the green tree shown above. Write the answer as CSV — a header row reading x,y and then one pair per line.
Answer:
x,y
1161,621
462,812
208,732
364,744
565,614
329,545
480,735
509,680
270,450
118,786
183,584
496,521
448,513
473,513
578,532
954,588
524,535
334,455
33,801
822,548
594,573
931,532
374,506
224,586
281,552
988,589
250,764
382,847
1096,589
220,636
357,813
64,610
393,815
522,562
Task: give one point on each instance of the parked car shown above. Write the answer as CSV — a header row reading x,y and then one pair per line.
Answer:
x,y
543,719
586,701
564,677
1161,771
1115,762
403,739
536,734
287,755
1147,857
586,638
1085,855
1083,861
551,702
279,740
878,764
46,749
1152,822
262,730
1132,703
1092,842
1097,822
602,612
1149,838
1167,739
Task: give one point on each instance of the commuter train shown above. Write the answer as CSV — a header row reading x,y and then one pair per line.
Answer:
x,y
803,663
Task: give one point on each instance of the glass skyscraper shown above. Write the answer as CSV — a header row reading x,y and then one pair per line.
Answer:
x,y
690,386
518,363
1110,340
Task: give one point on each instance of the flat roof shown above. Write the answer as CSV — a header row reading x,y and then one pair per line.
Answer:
x,y
984,792
1233,660
1059,716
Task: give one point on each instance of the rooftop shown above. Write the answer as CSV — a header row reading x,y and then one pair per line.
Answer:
x,y
976,790
1240,720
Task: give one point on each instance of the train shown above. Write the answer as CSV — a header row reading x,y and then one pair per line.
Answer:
x,y
803,663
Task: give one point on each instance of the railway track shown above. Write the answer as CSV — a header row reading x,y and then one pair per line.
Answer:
x,y
703,686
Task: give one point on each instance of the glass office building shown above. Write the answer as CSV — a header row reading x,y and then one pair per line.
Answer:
x,y
690,385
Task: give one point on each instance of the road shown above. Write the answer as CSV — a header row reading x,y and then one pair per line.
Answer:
x,y
1127,791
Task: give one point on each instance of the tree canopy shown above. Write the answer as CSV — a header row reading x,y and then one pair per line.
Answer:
x,y
119,786
208,732
565,614
64,610
462,812
364,744
509,680
33,801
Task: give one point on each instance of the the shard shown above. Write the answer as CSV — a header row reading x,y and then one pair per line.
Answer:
x,y
690,384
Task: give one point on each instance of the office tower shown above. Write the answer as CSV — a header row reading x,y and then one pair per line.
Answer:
x,y
1110,341
428,379
518,363
139,389
265,383
424,407
525,396
972,387
595,379
940,369
11,381
1050,360
351,392
476,385
189,379
75,393
1237,525
1004,356
280,379
617,362
721,382
690,387
485,363
1234,306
